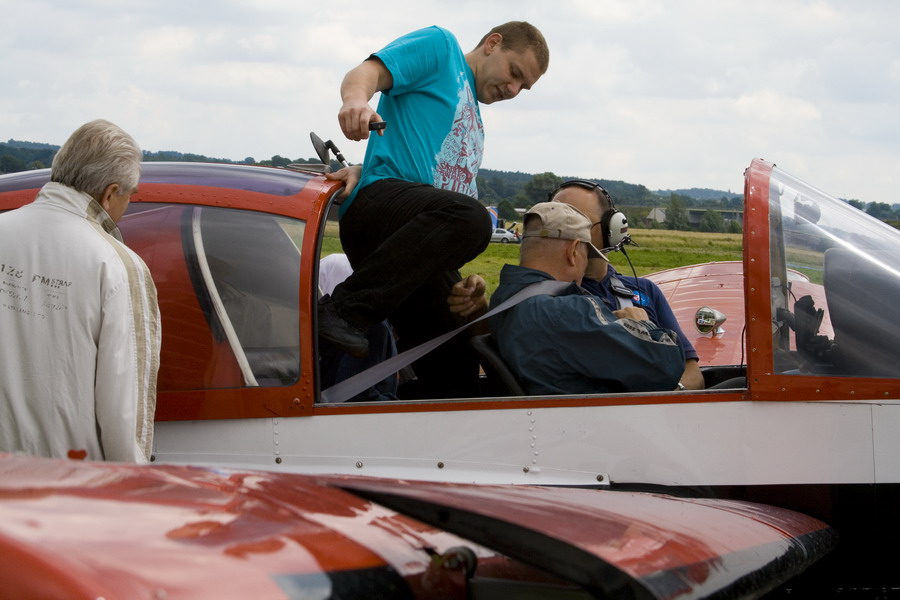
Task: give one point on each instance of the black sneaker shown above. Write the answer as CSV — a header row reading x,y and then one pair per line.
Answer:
x,y
334,330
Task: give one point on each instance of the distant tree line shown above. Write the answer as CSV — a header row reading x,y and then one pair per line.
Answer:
x,y
712,221
25,156
514,190
888,213
507,190
16,156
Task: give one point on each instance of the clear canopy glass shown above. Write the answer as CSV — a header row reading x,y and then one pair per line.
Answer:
x,y
835,275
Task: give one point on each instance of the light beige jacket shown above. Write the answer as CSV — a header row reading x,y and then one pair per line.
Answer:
x,y
79,333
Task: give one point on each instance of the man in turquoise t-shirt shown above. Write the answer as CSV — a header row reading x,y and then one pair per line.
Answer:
x,y
413,219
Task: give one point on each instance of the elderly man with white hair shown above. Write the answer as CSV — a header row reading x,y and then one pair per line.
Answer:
x,y
78,311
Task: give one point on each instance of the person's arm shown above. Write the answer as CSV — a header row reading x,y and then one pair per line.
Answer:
x,y
467,299
357,88
632,312
127,363
117,392
636,353
692,378
349,176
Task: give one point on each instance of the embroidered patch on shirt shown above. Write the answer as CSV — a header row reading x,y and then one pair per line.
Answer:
x,y
638,297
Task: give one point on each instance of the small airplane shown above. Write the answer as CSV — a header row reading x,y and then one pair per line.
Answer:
x,y
799,346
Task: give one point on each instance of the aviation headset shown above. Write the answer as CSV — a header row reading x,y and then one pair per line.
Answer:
x,y
613,224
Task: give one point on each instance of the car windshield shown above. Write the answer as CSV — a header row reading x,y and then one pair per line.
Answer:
x,y
835,283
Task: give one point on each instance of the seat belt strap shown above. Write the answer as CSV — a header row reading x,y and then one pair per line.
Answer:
x,y
623,294
346,389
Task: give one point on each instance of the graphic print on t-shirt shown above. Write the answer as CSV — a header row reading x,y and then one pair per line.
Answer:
x,y
460,154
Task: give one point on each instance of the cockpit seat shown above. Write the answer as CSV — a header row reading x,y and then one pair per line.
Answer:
x,y
862,291
500,379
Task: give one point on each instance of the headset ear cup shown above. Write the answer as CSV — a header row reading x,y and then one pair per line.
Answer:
x,y
615,228
604,226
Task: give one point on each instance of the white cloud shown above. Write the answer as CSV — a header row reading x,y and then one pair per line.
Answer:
x,y
660,93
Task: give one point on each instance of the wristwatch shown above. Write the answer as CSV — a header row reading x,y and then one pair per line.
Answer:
x,y
680,386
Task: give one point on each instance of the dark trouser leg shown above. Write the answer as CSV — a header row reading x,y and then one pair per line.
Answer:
x,y
400,235
449,371
336,366
406,242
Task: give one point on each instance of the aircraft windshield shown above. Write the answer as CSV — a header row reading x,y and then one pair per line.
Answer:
x,y
238,325
851,327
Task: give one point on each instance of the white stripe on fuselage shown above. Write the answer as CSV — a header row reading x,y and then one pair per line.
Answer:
x,y
710,443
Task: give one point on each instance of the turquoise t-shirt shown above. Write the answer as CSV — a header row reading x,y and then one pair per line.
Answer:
x,y
434,133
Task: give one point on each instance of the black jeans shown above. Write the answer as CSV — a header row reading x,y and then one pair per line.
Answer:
x,y
406,243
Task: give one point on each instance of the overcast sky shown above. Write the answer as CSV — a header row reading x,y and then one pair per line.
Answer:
x,y
670,94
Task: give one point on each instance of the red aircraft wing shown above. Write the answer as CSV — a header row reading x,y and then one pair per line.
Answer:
x,y
720,285
619,544
74,529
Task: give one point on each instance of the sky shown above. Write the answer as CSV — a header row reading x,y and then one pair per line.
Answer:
x,y
668,94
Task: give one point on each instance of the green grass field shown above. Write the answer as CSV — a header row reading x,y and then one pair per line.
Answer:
x,y
659,249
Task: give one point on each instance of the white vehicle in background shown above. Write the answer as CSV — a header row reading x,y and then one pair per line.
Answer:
x,y
504,236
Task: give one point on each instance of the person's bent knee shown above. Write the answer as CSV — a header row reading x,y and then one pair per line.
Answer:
x,y
476,219
473,230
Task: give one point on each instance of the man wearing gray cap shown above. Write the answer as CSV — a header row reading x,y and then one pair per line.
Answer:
x,y
572,343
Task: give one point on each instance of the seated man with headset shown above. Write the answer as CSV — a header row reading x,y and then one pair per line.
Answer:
x,y
619,292
562,339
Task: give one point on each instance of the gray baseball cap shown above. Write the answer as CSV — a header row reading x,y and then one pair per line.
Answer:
x,y
565,222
